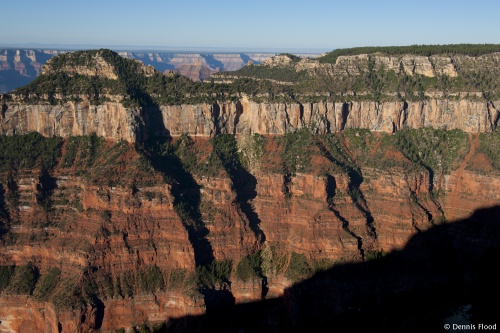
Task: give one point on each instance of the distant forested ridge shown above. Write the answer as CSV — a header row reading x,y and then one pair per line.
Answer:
x,y
287,79
473,50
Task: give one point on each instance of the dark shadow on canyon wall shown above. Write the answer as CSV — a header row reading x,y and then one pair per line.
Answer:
x,y
447,268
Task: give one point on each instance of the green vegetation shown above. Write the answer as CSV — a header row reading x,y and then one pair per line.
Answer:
x,y
332,145
264,82
274,260
225,149
252,149
275,73
28,151
375,255
438,150
105,163
435,149
322,265
71,87
87,148
145,328
68,295
6,273
298,267
47,283
24,279
297,151
423,50
137,88
489,144
151,279
250,266
224,155
213,275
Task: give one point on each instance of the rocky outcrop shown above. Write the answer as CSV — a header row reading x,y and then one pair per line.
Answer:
x,y
278,118
432,66
112,120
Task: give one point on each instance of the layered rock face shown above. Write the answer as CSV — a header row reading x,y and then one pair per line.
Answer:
x,y
278,118
228,203
114,226
109,120
113,121
410,64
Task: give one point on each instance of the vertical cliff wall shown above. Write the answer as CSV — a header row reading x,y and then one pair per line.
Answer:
x,y
114,121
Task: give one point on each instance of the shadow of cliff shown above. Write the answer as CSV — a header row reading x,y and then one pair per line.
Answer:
x,y
186,193
4,213
416,289
244,183
354,191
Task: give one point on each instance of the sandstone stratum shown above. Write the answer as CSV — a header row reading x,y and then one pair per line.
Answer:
x,y
130,198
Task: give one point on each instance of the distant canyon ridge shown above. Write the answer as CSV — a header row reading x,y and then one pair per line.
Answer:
x,y
19,67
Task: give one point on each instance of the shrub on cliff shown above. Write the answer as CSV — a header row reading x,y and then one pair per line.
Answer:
x,y
214,274
28,151
68,295
250,267
435,149
298,267
6,273
276,73
490,146
24,279
297,151
47,283
151,279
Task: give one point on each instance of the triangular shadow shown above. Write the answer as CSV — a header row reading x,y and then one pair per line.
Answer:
x,y
419,288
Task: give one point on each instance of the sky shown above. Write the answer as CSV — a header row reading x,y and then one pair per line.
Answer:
x,y
319,25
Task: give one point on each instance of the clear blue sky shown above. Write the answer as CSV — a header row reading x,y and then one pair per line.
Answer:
x,y
257,24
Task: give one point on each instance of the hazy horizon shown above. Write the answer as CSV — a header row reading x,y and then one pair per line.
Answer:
x,y
152,48
277,26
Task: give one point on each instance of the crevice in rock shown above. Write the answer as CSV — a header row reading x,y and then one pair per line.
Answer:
x,y
13,195
244,184
494,114
330,188
285,187
187,197
431,191
4,110
344,114
414,199
403,116
239,112
426,211
354,185
4,213
218,302
45,188
186,202
358,198
215,117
